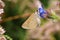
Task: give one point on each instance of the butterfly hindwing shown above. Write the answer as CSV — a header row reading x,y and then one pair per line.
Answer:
x,y
31,22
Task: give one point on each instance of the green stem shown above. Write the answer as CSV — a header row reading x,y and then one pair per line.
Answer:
x,y
9,38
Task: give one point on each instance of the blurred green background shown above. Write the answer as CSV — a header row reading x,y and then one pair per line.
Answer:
x,y
18,8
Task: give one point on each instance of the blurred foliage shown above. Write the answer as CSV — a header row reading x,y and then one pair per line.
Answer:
x,y
57,36
13,28
45,3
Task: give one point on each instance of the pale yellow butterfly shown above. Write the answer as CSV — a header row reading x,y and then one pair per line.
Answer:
x,y
32,22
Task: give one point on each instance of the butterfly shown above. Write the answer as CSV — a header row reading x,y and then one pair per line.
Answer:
x,y
34,20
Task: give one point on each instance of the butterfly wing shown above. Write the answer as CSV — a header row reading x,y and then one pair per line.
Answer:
x,y
31,22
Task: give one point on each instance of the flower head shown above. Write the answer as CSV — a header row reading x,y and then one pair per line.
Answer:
x,y
2,31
